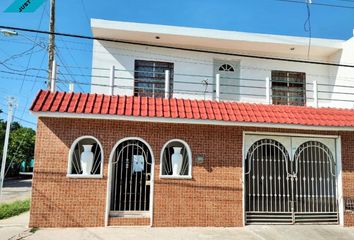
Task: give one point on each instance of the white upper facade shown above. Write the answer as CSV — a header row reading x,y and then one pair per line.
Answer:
x,y
220,65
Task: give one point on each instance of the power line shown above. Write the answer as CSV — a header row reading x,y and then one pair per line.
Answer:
x,y
35,43
188,60
180,48
21,119
308,27
318,4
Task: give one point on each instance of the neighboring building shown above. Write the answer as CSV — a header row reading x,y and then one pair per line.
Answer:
x,y
195,127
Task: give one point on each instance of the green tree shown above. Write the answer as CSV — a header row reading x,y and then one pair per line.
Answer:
x,y
21,145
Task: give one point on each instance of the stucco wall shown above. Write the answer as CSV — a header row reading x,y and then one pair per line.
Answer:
x,y
122,56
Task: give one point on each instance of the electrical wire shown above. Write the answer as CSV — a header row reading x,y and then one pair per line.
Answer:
x,y
181,48
318,4
188,60
35,43
307,26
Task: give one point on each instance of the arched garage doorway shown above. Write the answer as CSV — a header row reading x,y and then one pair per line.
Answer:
x,y
290,180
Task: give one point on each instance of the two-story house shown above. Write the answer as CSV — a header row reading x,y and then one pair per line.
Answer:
x,y
199,127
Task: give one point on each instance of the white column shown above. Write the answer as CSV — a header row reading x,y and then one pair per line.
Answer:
x,y
315,94
71,87
111,78
53,77
268,90
167,83
217,87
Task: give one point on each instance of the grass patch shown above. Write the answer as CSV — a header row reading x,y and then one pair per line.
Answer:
x,y
13,209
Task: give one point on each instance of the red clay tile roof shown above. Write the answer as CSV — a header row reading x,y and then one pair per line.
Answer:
x,y
83,103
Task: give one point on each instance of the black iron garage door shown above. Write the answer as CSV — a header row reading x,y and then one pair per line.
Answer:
x,y
287,184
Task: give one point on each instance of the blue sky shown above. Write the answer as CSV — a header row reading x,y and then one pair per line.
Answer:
x,y
262,16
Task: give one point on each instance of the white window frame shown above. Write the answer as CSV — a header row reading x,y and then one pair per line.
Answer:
x,y
69,174
190,160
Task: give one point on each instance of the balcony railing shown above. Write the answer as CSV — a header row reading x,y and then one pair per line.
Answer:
x,y
207,87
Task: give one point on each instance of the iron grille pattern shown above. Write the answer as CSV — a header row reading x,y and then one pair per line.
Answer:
x,y
149,78
131,178
75,167
288,88
166,159
280,189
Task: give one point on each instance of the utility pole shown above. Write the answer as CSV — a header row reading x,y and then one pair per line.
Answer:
x,y
51,45
11,105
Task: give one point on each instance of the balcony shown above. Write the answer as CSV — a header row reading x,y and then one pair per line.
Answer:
x,y
269,90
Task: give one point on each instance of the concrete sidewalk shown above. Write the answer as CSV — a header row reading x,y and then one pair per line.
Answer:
x,y
16,228
247,233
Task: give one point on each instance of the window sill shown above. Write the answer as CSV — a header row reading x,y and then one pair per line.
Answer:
x,y
187,177
84,176
129,214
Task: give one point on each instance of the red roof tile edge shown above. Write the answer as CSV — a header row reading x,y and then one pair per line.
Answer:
x,y
202,110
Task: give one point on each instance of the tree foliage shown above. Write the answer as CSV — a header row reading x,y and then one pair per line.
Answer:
x,y
21,142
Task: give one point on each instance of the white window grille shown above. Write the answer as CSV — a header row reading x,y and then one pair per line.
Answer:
x,y
176,160
85,158
226,68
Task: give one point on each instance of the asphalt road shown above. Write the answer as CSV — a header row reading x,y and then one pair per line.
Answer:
x,y
16,189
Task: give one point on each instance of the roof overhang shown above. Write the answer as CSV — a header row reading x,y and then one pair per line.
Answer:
x,y
189,121
210,39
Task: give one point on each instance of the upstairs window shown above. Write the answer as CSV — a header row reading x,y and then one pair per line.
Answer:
x,y
288,88
149,78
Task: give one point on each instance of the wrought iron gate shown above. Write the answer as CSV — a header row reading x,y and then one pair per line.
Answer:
x,y
131,179
281,188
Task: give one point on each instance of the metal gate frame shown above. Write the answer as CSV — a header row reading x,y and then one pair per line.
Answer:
x,y
109,179
336,152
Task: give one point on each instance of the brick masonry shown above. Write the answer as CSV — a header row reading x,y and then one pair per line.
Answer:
x,y
213,197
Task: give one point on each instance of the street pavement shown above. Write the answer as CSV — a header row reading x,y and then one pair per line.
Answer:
x,y
16,189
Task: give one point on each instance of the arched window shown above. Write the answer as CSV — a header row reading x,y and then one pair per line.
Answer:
x,y
226,68
176,160
85,158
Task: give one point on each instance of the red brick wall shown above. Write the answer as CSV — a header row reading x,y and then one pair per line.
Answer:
x,y
212,198
348,172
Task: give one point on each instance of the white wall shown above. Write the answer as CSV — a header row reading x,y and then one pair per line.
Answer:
x,y
122,56
343,77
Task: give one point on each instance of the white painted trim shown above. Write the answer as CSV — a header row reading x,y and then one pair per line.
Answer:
x,y
203,33
83,176
109,178
69,174
188,121
243,180
186,177
290,134
340,181
190,160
